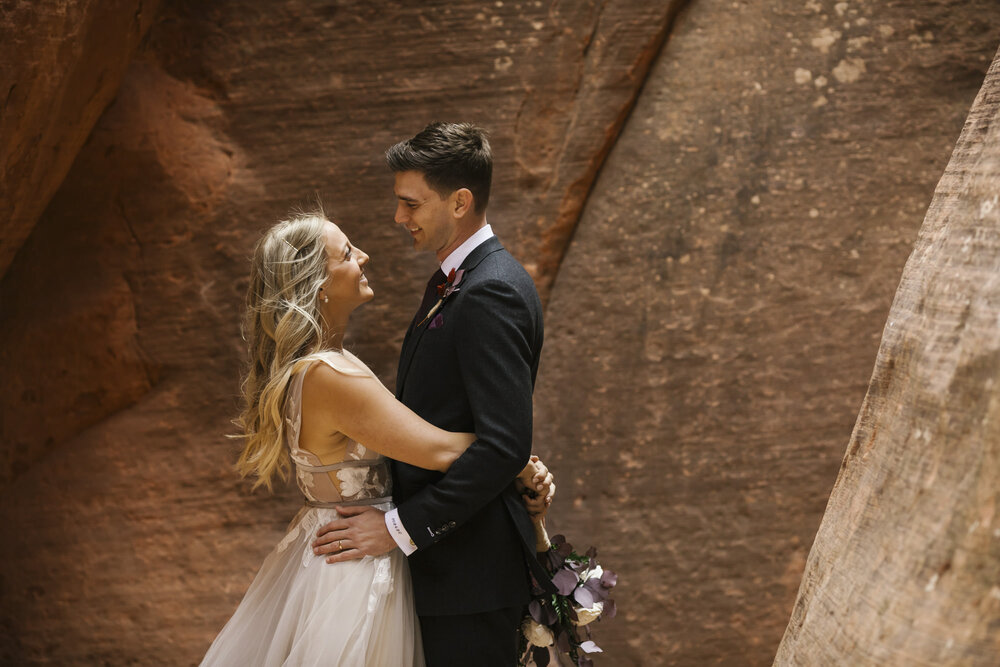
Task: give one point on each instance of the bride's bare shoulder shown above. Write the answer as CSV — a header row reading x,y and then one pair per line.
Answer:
x,y
332,373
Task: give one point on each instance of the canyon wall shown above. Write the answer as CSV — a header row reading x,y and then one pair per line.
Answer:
x,y
904,567
715,199
62,64
715,320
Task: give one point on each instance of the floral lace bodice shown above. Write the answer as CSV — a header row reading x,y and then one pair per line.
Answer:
x,y
361,475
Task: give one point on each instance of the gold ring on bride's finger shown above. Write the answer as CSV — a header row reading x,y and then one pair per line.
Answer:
x,y
340,545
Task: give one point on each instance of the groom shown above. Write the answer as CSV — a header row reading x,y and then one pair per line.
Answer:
x,y
468,363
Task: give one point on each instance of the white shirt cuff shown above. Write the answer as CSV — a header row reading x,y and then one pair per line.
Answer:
x,y
398,532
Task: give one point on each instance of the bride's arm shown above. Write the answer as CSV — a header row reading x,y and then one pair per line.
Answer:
x,y
362,408
537,488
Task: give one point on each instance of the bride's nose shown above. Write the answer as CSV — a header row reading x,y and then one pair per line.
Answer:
x,y
363,259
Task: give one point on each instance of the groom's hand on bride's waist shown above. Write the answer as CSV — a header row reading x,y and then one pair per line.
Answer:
x,y
359,532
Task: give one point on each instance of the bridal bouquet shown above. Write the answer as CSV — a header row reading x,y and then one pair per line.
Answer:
x,y
583,587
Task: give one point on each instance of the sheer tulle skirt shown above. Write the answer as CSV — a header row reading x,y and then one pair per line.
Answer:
x,y
301,610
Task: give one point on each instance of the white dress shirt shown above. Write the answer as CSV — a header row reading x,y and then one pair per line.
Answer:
x,y
451,262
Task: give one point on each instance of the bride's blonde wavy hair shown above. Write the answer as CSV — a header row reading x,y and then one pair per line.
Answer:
x,y
282,325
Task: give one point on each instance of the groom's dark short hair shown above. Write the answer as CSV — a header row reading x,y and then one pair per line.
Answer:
x,y
450,156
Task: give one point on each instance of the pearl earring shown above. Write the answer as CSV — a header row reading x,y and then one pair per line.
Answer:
x,y
326,299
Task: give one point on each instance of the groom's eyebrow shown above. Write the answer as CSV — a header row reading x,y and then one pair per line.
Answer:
x,y
405,198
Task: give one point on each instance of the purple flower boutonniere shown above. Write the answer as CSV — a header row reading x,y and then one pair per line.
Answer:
x,y
445,290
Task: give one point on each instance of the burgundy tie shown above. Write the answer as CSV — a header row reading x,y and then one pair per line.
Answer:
x,y
430,296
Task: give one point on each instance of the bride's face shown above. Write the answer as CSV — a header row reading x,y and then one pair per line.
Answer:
x,y
346,285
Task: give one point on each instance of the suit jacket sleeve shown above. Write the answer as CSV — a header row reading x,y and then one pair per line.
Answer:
x,y
495,334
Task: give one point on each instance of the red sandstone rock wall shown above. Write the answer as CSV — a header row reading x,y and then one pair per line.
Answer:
x,y
128,291
709,335
714,323
211,135
61,63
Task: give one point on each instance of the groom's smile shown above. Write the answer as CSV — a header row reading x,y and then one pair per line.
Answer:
x,y
423,212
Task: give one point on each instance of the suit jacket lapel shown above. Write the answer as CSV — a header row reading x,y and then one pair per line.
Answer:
x,y
405,354
405,357
413,336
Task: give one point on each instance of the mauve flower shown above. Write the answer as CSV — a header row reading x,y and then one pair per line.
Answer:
x,y
542,612
565,581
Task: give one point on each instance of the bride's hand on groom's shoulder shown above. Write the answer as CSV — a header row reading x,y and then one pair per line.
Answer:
x,y
537,487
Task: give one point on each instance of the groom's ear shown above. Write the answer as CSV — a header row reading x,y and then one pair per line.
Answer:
x,y
462,202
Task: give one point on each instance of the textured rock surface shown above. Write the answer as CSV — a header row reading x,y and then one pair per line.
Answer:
x,y
232,113
904,569
213,94
132,541
114,234
61,65
716,317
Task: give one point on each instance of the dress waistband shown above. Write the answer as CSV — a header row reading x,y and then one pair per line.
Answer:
x,y
350,463
350,503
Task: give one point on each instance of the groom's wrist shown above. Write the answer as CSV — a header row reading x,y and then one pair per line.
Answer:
x,y
398,532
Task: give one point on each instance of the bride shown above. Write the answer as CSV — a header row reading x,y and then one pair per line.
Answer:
x,y
310,404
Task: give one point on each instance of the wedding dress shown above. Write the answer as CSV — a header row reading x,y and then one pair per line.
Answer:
x,y
301,610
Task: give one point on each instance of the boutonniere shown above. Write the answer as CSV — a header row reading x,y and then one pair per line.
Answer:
x,y
445,289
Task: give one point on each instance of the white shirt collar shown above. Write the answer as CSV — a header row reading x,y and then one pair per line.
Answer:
x,y
458,255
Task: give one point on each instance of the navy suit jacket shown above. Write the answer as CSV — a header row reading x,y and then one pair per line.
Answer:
x,y
473,371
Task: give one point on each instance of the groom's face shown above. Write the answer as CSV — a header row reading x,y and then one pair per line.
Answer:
x,y
425,214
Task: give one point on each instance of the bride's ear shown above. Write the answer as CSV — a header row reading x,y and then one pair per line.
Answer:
x,y
462,202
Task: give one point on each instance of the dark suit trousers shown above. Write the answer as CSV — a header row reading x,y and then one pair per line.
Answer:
x,y
488,639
